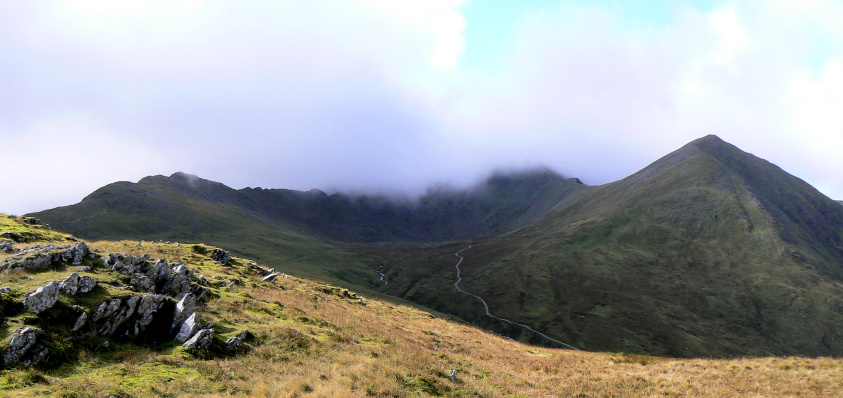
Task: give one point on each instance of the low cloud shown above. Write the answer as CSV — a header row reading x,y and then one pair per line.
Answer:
x,y
372,95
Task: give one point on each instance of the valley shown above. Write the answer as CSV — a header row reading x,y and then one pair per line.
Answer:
x,y
707,252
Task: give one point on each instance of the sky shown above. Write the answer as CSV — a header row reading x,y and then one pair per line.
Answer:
x,y
394,96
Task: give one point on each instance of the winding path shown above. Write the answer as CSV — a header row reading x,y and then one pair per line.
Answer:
x,y
486,306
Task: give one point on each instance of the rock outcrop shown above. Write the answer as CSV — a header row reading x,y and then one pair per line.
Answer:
x,y
86,284
236,341
221,255
7,246
77,284
125,310
126,264
148,306
21,345
46,296
163,307
80,322
202,339
184,308
13,236
129,316
106,309
42,298
189,327
37,257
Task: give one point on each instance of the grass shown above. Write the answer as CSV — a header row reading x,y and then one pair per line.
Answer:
x,y
314,339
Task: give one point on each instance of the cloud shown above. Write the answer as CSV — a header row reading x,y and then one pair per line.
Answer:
x,y
373,95
590,94
59,161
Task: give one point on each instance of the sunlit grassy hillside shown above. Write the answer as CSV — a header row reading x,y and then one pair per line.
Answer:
x,y
312,339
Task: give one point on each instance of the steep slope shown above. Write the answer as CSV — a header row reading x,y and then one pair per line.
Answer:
x,y
709,251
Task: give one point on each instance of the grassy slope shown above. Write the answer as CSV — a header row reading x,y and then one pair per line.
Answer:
x,y
312,340
680,259
184,205
271,225
148,211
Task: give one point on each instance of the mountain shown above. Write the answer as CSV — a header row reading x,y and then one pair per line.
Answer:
x,y
184,205
310,233
709,251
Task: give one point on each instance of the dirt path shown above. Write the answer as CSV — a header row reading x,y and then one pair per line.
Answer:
x,y
486,306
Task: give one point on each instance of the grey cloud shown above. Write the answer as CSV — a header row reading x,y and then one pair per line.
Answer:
x,y
336,95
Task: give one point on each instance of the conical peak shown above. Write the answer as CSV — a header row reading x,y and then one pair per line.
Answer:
x,y
708,140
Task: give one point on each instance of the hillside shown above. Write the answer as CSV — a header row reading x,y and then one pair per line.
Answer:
x,y
310,233
709,251
183,206
308,338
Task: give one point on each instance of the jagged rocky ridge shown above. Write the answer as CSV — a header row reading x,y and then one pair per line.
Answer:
x,y
160,304
39,258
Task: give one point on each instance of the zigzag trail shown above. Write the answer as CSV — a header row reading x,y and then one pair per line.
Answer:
x,y
486,306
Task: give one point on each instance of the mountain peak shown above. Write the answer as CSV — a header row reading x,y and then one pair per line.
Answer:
x,y
714,145
709,139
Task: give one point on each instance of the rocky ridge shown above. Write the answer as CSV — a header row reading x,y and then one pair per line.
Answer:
x,y
39,258
160,303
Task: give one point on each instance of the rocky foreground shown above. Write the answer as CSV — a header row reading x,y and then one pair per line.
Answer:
x,y
144,300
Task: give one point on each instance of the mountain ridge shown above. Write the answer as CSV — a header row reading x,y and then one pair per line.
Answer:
x,y
733,255
687,238
479,210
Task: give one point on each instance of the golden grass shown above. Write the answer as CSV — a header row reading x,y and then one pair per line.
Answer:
x,y
312,341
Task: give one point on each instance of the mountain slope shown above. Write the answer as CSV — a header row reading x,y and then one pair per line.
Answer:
x,y
709,251
185,205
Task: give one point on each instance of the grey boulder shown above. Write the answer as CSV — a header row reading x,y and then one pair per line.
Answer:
x,y
202,339
42,298
20,344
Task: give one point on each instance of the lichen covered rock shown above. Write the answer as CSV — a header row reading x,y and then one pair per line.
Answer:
x,y
21,343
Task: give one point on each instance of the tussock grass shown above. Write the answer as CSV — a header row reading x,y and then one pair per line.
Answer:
x,y
313,339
